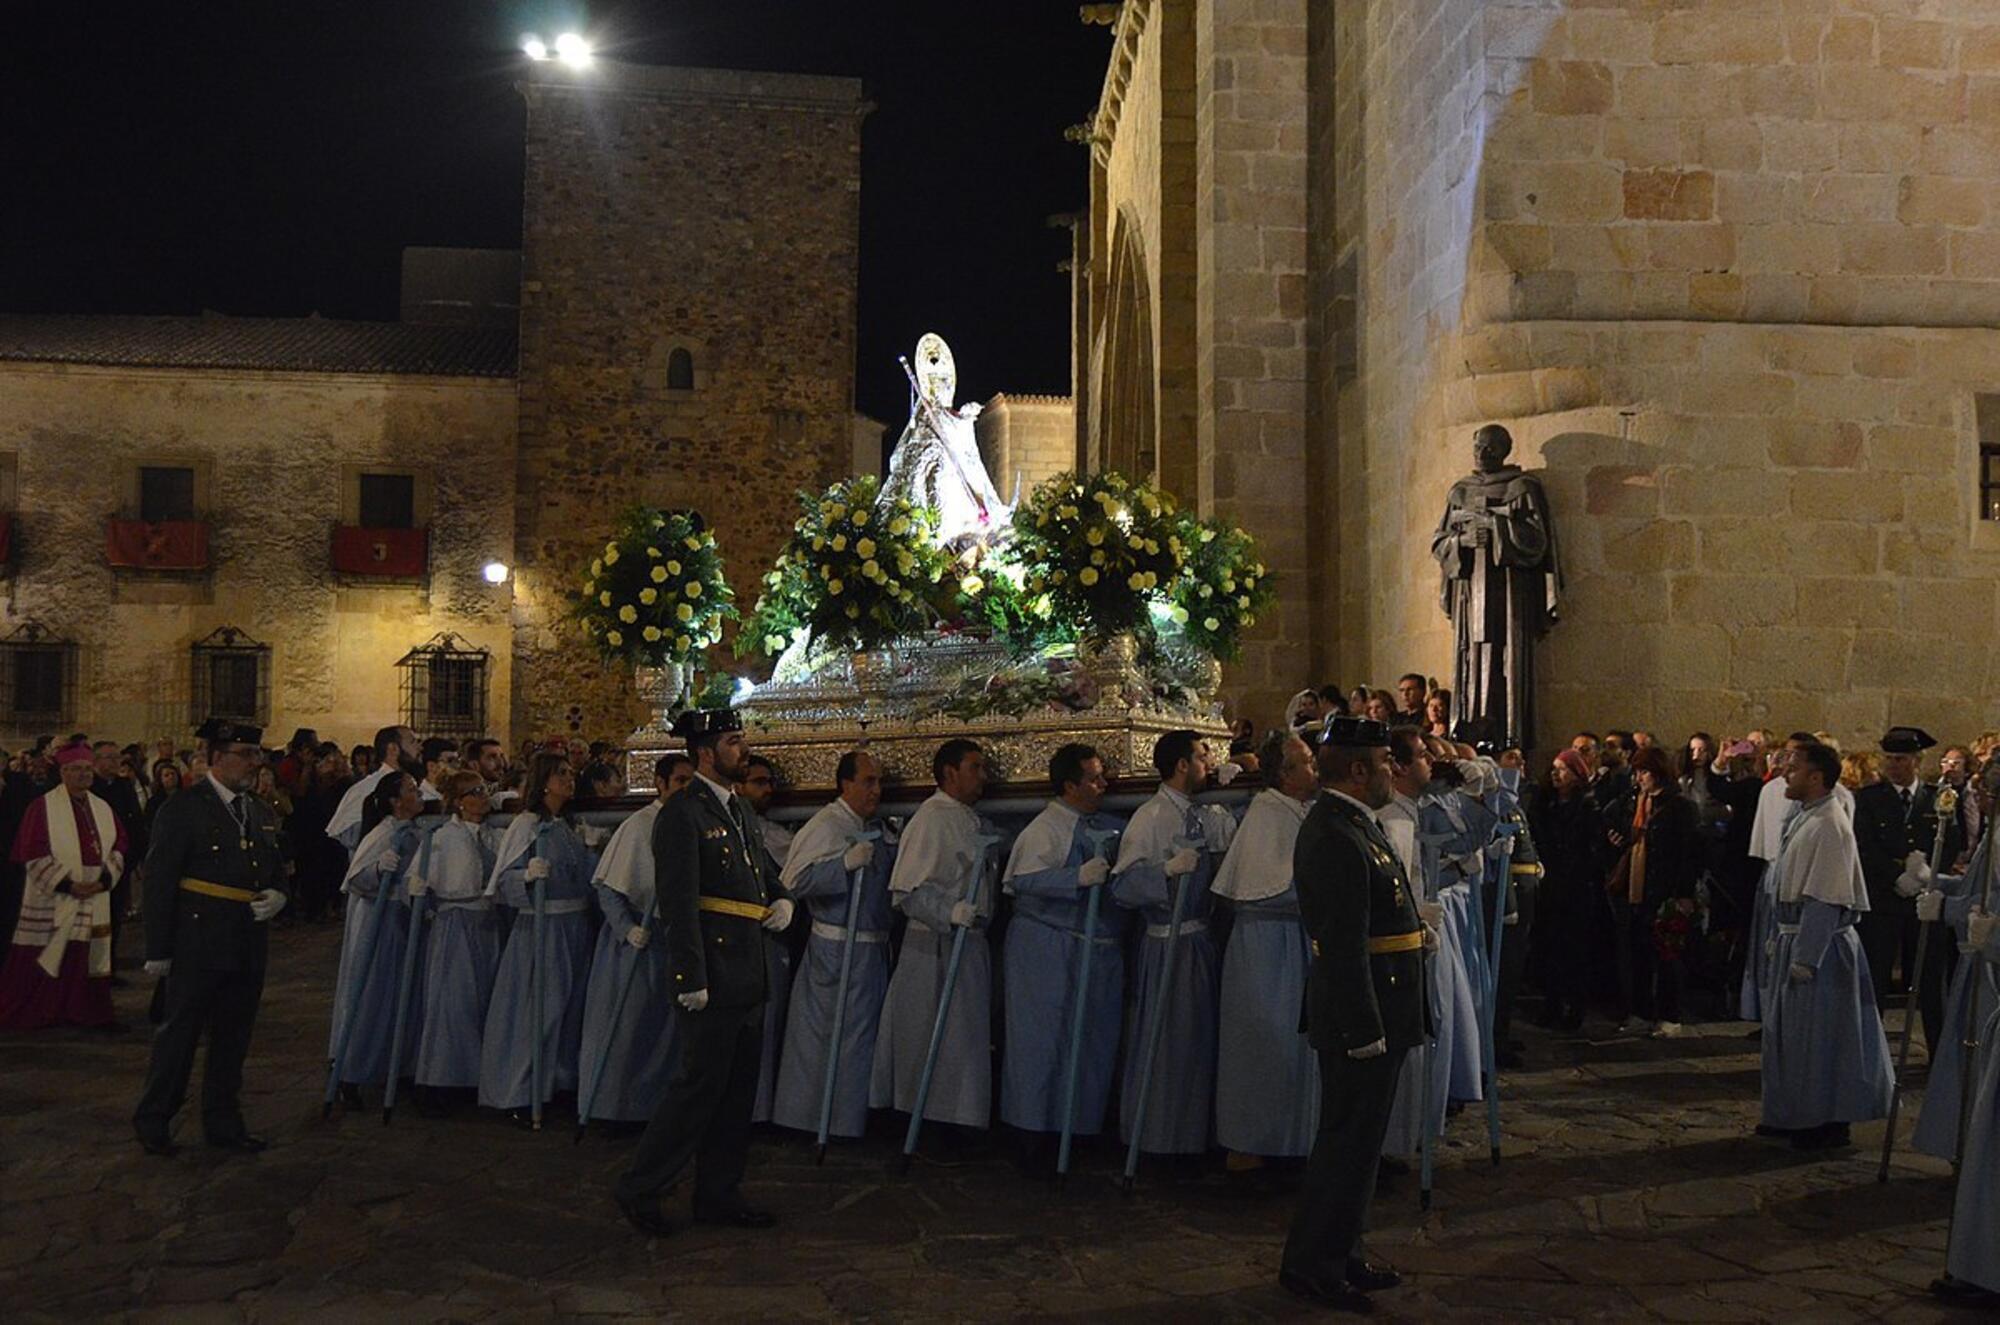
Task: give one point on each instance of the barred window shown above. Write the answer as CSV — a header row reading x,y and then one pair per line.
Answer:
x,y
388,501
166,492
444,687
37,678
231,676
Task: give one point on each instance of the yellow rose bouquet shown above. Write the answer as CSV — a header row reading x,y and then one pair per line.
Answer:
x,y
1102,547
656,593
1221,588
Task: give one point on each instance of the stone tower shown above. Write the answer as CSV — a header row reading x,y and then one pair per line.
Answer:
x,y
689,250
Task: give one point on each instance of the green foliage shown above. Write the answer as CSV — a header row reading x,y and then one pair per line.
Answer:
x,y
1100,547
1221,588
657,592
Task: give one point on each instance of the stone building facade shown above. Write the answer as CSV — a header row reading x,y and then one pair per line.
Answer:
x,y
1024,439
1730,271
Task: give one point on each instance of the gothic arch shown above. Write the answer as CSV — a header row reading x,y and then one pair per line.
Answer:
x,y
1128,416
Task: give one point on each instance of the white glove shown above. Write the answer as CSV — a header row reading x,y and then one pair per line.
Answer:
x,y
594,836
419,885
538,868
1431,913
1182,862
781,915
1093,872
1930,904
1375,1050
859,856
1916,875
1801,973
266,904
963,914
638,936
1227,773
1431,940
388,861
1979,929
160,967
694,1002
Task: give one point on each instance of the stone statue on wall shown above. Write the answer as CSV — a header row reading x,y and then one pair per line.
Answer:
x,y
1496,547
936,461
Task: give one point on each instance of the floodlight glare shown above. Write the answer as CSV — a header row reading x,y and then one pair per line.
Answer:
x,y
495,572
534,47
573,50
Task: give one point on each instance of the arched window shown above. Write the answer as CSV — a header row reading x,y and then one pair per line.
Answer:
x,y
680,370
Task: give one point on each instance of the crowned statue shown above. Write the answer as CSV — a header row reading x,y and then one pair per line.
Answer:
x,y
936,461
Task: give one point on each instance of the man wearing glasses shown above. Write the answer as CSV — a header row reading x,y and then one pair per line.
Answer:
x,y
214,876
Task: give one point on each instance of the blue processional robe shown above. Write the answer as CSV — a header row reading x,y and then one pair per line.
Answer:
x,y
813,877
506,1052
1039,968
1974,1253
637,1054
376,929
461,955
777,981
1937,1125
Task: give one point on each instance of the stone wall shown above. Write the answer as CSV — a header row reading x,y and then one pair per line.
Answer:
x,y
1728,271
1025,439
666,209
271,450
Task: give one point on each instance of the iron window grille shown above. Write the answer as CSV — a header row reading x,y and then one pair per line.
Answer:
x,y
1989,481
444,687
231,675
37,678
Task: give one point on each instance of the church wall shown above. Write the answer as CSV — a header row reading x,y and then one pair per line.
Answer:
x,y
271,448
1026,439
706,210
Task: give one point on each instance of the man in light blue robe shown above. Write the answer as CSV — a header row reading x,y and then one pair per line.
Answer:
x,y
637,1054
462,947
1826,1059
376,931
820,868
1267,1085
1774,811
1950,900
1173,845
1972,1258
942,882
1055,862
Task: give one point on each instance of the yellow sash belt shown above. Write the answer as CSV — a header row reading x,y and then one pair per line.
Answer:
x,y
724,906
222,890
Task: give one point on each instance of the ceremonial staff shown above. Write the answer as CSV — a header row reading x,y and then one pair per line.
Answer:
x,y
1427,1136
986,843
408,979
538,891
1102,844
840,999
596,1078
362,959
1947,802
1503,867
1158,1022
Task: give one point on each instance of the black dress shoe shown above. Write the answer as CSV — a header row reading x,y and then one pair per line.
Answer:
x,y
244,1142
1961,1292
644,1216
1337,1296
736,1216
158,1145
1829,1136
1370,1276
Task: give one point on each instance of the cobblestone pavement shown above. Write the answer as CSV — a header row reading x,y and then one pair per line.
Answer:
x,y
1631,1190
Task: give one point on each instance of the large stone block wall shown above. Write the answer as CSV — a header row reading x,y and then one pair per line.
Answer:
x,y
1024,439
705,210
273,447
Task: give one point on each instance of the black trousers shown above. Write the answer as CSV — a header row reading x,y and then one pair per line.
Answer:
x,y
1355,1096
1514,941
1647,986
705,1114
223,1003
1940,965
1888,935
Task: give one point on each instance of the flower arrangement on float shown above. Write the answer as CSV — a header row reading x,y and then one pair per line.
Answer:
x,y
1222,587
656,596
857,573
1100,548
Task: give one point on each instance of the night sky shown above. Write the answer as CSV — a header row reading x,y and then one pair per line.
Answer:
x,y
272,158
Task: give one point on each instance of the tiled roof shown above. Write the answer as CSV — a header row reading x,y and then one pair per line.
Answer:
x,y
295,344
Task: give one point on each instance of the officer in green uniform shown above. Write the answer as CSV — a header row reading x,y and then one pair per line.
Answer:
x,y
1365,1009
717,889
214,876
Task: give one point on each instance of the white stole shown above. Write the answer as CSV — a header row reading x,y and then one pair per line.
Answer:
x,y
78,919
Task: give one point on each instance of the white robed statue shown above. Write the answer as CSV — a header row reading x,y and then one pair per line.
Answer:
x,y
936,461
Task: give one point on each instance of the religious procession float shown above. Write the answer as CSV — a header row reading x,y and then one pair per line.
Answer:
x,y
910,609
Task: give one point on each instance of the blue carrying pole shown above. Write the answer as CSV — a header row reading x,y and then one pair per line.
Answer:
x,y
596,1078
1427,1133
362,959
1098,841
1501,860
538,891
1157,1023
986,841
409,977
840,1000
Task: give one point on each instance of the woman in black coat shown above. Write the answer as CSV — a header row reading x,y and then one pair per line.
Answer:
x,y
1569,838
1652,893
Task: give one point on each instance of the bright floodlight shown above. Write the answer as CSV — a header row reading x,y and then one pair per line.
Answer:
x,y
534,47
495,572
573,50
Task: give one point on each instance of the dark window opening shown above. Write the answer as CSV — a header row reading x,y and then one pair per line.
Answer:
x,y
166,492
680,371
388,501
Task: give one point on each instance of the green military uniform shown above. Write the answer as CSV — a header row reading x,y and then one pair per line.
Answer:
x,y
715,890
1366,987
1524,890
209,855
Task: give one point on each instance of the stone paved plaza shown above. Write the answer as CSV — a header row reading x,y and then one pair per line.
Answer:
x,y
1631,1189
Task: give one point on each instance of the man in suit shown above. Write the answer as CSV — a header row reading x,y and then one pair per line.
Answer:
x,y
716,890
1365,1010
214,877
1893,818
